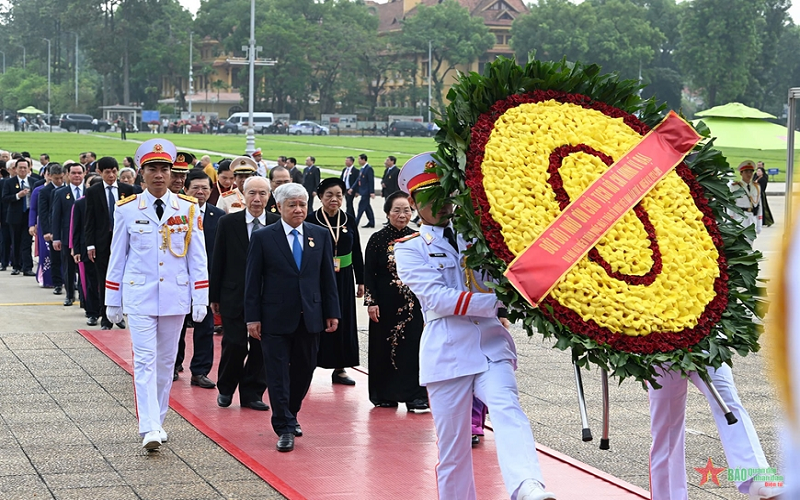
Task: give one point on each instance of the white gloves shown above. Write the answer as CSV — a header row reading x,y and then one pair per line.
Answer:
x,y
199,313
114,314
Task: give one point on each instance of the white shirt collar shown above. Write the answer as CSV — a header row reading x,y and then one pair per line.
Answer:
x,y
288,229
248,218
106,186
151,199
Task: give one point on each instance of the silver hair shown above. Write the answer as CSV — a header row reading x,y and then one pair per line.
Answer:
x,y
249,179
127,169
290,191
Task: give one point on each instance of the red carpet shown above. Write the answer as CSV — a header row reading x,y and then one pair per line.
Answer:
x,y
349,449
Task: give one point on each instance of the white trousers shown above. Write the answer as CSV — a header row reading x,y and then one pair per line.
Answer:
x,y
668,429
155,345
451,406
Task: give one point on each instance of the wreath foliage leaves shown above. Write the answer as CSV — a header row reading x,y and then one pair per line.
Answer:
x,y
738,329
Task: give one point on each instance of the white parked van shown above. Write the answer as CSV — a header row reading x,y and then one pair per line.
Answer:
x,y
237,122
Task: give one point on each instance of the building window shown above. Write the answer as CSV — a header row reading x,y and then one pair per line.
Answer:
x,y
501,5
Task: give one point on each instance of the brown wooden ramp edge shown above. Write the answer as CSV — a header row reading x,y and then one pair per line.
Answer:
x,y
351,450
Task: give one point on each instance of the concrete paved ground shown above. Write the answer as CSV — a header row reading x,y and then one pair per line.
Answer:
x,y
68,425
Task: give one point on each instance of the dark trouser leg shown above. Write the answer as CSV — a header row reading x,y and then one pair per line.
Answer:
x,y
25,248
241,362
350,198
91,299
277,357
203,341
101,268
5,246
365,207
56,264
68,270
21,241
182,343
301,367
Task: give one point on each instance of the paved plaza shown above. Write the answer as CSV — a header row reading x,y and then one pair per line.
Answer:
x,y
68,423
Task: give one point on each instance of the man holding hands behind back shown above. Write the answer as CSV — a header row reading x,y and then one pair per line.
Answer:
x,y
157,274
290,297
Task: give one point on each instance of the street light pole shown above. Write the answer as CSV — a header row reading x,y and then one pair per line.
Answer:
x,y
191,72
48,83
250,142
76,67
4,61
430,77
23,54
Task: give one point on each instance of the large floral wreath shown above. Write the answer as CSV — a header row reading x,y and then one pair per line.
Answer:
x,y
673,281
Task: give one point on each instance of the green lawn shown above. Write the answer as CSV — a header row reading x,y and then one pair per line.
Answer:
x,y
329,151
771,159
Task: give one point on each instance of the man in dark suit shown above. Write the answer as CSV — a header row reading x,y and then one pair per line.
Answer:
x,y
89,291
5,228
365,188
63,200
290,297
100,203
241,362
297,175
350,178
17,197
198,184
389,180
278,176
311,177
45,210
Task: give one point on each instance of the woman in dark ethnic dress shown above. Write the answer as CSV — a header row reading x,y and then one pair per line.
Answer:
x,y
339,349
395,325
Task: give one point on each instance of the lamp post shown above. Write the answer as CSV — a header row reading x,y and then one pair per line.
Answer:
x,y
48,83
4,61
23,54
430,77
191,73
76,67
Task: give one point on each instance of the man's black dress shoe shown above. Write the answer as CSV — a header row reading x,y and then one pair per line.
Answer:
x,y
340,377
386,404
2,268
202,381
105,327
179,368
68,302
16,272
224,401
175,375
256,405
298,432
418,405
121,325
367,225
476,440
57,290
285,442
92,321
28,273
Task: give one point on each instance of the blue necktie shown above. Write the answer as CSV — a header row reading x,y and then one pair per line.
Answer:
x,y
111,203
24,198
297,249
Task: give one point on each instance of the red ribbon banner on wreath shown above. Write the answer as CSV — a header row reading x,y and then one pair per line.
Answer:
x,y
588,218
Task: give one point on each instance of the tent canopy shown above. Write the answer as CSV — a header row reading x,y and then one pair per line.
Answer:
x,y
734,110
30,110
748,133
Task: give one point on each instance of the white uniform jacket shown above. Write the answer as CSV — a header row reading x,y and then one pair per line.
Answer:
x,y
231,201
462,332
144,276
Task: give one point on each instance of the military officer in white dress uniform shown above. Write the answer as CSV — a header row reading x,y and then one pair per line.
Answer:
x,y
243,167
157,274
465,350
748,196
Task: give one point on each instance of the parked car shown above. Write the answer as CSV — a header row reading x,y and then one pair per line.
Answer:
x,y
75,121
237,122
308,128
279,127
409,128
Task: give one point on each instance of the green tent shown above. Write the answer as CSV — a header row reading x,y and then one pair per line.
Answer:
x,y
735,125
30,110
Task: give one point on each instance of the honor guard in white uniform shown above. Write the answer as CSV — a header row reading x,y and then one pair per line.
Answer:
x,y
747,196
242,167
465,350
157,274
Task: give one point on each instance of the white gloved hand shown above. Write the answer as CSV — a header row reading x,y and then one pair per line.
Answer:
x,y
114,314
199,313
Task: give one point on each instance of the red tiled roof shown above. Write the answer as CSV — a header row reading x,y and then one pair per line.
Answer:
x,y
391,14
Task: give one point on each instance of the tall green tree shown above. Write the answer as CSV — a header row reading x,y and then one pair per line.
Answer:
x,y
719,44
456,38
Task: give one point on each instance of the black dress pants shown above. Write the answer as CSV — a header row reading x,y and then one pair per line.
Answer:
x,y
101,269
21,239
56,263
241,362
290,361
89,289
203,343
5,244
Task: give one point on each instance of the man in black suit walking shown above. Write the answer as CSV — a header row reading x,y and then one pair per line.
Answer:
x,y
45,211
17,197
297,175
350,178
389,180
365,188
241,362
63,200
198,184
101,200
290,297
311,177
89,291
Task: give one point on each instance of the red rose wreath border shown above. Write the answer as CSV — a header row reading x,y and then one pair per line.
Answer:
x,y
728,326
655,342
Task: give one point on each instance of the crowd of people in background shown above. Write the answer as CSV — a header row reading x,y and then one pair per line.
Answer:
x,y
63,214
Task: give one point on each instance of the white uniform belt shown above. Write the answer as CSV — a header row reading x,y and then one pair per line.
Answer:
x,y
432,315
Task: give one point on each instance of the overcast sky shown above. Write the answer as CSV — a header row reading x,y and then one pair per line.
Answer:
x,y
794,11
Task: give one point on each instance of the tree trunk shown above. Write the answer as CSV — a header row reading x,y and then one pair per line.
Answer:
x,y
126,81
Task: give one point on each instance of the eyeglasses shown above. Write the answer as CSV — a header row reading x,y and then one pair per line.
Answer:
x,y
395,211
